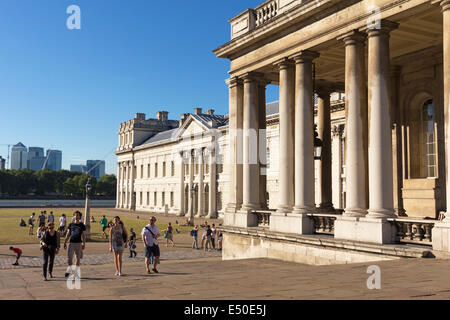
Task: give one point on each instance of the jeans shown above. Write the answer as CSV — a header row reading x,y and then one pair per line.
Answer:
x,y
195,243
48,253
213,242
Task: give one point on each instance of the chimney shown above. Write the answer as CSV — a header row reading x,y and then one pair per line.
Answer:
x,y
140,116
182,118
162,115
197,110
210,112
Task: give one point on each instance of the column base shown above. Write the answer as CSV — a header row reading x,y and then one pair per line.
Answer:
x,y
381,213
366,229
180,213
355,212
232,208
326,208
291,223
304,210
211,215
249,207
284,209
441,236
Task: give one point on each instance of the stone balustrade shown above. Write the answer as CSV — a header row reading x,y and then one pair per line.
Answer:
x,y
263,218
266,11
414,231
323,223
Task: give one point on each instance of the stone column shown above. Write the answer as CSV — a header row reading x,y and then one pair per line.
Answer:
x,y
191,182
381,199
181,189
324,131
234,159
250,172
337,166
201,191
119,181
131,197
356,125
304,133
262,147
212,211
286,137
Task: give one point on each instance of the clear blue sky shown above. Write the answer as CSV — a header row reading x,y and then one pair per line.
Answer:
x,y
70,89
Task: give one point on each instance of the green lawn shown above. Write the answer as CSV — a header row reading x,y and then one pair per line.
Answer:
x,y
12,233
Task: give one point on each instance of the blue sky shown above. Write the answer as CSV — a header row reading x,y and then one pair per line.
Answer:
x,y
70,89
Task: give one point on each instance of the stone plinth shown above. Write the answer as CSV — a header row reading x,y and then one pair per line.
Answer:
x,y
291,223
374,230
242,219
441,236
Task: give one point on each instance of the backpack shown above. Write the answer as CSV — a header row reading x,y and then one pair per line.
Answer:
x,y
192,233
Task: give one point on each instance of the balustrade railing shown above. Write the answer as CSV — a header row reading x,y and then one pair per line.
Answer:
x,y
414,231
263,218
266,12
323,223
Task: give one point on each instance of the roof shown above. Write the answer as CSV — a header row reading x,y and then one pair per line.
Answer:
x,y
272,108
165,135
205,119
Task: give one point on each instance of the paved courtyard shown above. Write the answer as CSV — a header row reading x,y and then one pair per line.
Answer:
x,y
198,278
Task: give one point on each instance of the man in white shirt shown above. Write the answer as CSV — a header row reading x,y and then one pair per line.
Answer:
x,y
150,234
62,224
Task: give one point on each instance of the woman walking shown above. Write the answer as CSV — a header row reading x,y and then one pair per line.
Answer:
x,y
118,241
50,248
169,233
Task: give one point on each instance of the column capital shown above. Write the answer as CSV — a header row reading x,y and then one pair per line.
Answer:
x,y
233,82
445,4
251,76
284,63
353,37
383,27
324,91
305,56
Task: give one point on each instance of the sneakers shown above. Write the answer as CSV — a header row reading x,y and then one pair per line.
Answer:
x,y
155,271
15,264
66,274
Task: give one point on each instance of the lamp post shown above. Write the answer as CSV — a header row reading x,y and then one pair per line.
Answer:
x,y
191,215
87,209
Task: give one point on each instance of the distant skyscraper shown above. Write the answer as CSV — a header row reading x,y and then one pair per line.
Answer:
x,y
54,160
78,168
19,157
96,168
36,158
2,163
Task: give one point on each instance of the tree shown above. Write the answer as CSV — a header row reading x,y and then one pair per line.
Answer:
x,y
26,180
70,187
45,181
106,185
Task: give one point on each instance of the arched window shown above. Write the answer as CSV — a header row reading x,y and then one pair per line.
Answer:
x,y
429,153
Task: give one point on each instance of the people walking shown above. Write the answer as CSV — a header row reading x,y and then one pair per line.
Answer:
x,y
40,232
51,217
169,236
42,219
104,223
18,253
31,224
50,248
117,242
76,232
62,224
208,244
132,243
150,234
205,229
194,234
219,240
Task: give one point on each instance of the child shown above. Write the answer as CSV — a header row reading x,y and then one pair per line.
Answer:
x,y
132,243
18,252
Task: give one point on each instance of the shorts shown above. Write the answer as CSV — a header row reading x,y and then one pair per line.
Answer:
x,y
154,250
62,228
41,224
104,228
75,248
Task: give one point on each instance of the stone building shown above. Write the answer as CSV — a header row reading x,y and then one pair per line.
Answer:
x,y
392,61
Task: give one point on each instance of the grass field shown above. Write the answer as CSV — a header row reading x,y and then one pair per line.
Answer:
x,y
12,233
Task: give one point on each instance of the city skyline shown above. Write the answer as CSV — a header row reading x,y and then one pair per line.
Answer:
x,y
84,93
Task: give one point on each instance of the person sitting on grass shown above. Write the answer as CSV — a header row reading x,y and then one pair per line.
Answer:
x,y
18,253
22,223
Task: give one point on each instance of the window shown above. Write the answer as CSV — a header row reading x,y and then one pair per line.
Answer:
x,y
268,158
140,198
142,171
172,169
171,199
163,198
148,198
155,199
164,169
207,168
156,170
429,139
148,171
135,173
186,170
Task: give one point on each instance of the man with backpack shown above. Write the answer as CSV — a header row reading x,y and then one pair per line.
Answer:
x,y
150,234
194,234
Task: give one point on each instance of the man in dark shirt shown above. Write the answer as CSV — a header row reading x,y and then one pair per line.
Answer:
x,y
76,233
42,219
